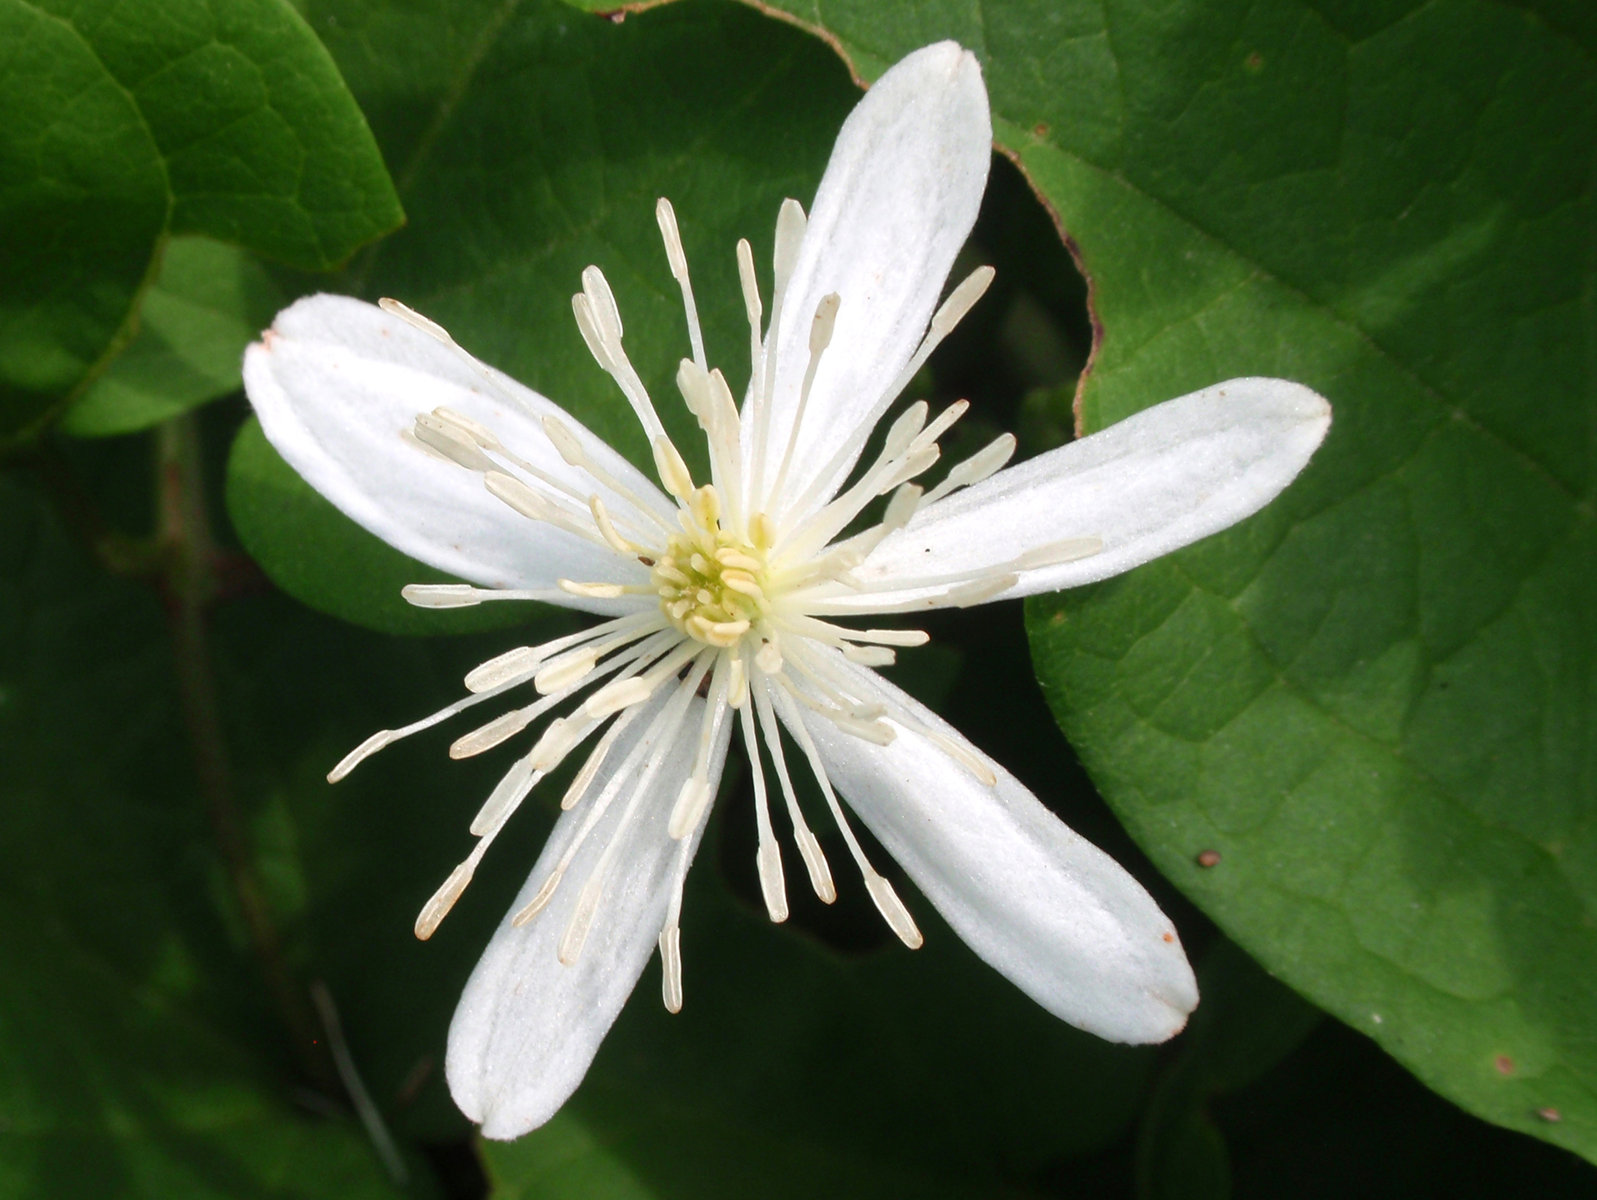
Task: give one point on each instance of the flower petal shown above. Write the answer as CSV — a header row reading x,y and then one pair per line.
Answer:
x,y
336,381
898,199
1145,486
528,1026
1048,909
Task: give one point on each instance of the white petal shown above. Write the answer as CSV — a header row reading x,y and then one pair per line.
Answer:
x,y
1145,486
336,381
528,1026
1040,903
898,199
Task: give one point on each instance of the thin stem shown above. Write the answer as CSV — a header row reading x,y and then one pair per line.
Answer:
x,y
189,584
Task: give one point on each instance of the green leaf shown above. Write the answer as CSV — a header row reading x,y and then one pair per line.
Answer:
x,y
549,139
1373,700
125,1068
128,122
209,302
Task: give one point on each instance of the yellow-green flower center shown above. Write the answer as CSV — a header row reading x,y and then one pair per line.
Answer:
x,y
712,583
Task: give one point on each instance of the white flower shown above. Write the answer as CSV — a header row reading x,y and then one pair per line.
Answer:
x,y
721,598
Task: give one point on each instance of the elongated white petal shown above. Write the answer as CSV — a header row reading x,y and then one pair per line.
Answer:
x,y
1145,486
528,1025
1040,903
336,382
898,198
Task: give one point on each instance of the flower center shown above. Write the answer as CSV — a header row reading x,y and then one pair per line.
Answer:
x,y
713,583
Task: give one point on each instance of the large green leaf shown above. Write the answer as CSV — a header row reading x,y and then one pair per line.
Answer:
x,y
1375,700
129,121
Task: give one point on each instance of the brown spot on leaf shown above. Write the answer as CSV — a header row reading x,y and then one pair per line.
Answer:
x,y
1504,1064
1550,1114
1209,858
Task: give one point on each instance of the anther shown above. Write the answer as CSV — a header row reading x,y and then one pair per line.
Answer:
x,y
414,319
360,753
507,795
495,732
576,933
441,901
893,910
671,967
539,900
502,668
978,466
441,595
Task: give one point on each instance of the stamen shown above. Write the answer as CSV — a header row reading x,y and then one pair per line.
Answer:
x,y
839,635
452,443
386,737
671,967
666,217
514,664
600,322
673,472
408,436
514,787
809,846
596,590
821,327
440,595
570,448
502,728
602,302
751,306
360,753
581,918
475,430
892,908
693,801
607,529
624,693
941,423
590,768
978,466
1057,553
588,326
663,728
889,471
463,595
887,902
438,905
539,900
949,314
768,858
413,318
537,506
790,226
870,656
769,657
